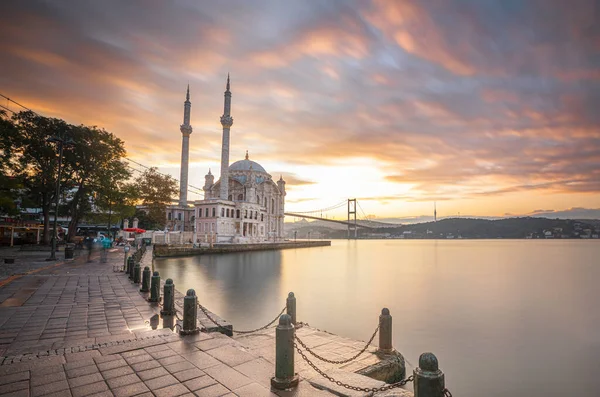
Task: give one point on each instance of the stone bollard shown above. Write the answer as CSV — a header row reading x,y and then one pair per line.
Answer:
x,y
146,280
385,331
285,377
290,304
155,288
168,298
190,313
137,272
429,380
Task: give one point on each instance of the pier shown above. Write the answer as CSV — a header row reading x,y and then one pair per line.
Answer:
x,y
75,328
172,250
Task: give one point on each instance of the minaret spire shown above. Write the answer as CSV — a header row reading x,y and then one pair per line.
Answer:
x,y
186,130
226,122
434,211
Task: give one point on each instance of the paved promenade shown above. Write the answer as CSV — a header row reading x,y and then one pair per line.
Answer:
x,y
78,329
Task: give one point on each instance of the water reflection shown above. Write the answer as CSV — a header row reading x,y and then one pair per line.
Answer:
x,y
490,310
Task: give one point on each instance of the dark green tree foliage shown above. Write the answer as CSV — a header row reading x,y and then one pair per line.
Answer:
x,y
156,191
28,157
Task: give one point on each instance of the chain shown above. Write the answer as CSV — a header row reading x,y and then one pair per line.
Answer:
x,y
239,332
339,383
447,393
177,315
337,361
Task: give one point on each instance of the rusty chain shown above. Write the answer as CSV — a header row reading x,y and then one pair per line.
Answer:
x,y
447,393
338,361
239,332
347,386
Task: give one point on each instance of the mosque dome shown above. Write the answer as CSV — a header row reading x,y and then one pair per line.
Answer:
x,y
245,164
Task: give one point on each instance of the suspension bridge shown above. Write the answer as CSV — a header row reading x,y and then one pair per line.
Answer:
x,y
353,221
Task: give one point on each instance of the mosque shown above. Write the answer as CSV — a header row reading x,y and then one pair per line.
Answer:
x,y
244,206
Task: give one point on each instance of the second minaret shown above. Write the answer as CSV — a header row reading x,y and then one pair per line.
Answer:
x,y
226,122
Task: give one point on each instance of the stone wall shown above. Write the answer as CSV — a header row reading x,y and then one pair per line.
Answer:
x,y
163,250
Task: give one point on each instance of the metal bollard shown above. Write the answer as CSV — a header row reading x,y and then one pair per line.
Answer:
x,y
131,265
155,288
190,313
385,331
285,377
429,380
146,280
137,272
290,304
168,298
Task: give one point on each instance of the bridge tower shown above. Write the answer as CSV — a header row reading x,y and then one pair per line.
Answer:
x,y
352,212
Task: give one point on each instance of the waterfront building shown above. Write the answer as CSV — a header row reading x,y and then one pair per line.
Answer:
x,y
245,205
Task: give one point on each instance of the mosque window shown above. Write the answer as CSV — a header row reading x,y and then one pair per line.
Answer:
x,y
258,199
169,216
227,213
229,198
222,212
262,217
265,202
238,214
214,212
240,197
206,212
245,213
193,218
272,206
256,215
179,216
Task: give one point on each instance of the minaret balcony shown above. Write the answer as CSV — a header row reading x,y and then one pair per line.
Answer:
x,y
226,121
186,129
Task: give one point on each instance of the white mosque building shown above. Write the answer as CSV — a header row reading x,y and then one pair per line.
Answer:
x,y
244,206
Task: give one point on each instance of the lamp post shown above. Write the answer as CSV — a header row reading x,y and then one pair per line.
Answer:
x,y
61,143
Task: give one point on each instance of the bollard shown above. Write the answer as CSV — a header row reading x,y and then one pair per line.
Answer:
x,y
385,331
285,377
290,304
137,270
190,313
429,380
146,280
131,265
168,298
155,288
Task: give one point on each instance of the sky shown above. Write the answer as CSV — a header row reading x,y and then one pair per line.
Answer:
x,y
489,108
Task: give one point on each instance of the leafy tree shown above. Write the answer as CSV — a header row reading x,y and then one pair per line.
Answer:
x,y
31,159
94,167
156,191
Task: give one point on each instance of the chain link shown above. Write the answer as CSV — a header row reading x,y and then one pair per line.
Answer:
x,y
205,311
347,386
447,393
338,361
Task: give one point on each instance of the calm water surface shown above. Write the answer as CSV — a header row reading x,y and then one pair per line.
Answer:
x,y
504,317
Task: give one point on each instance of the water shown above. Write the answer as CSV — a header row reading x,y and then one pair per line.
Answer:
x,y
504,317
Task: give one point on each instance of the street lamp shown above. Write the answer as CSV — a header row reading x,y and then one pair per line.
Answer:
x,y
61,144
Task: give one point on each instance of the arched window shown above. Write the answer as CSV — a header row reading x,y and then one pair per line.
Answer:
x,y
240,197
222,212
245,213
262,217
238,214
258,199
214,212
206,212
265,202
272,206
193,218
229,198
169,216
227,212
179,216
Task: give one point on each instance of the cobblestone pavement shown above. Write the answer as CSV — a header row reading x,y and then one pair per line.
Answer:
x,y
81,329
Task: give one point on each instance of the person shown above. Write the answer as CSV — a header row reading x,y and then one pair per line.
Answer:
x,y
88,242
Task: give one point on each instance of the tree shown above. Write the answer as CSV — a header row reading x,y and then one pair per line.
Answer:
x,y
95,168
156,191
28,157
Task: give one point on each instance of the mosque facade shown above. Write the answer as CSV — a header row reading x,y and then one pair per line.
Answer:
x,y
244,206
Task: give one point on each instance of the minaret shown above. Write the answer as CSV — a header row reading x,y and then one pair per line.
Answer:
x,y
186,130
226,122
434,212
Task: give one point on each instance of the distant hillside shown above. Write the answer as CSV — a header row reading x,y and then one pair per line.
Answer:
x,y
526,227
